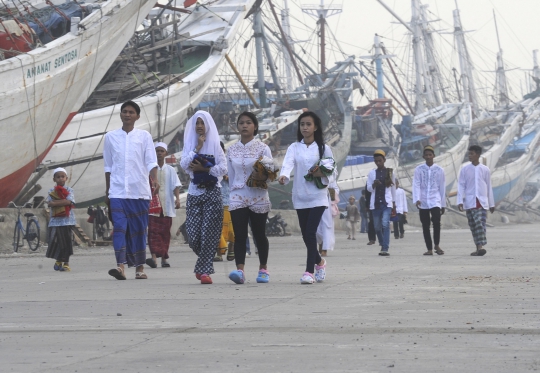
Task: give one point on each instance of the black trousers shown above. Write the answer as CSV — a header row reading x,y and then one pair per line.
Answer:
x,y
240,220
428,216
398,226
372,235
309,220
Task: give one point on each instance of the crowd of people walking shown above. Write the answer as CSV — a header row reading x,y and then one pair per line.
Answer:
x,y
228,195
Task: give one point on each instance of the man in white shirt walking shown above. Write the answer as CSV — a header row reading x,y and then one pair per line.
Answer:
x,y
429,197
381,184
129,157
401,211
476,196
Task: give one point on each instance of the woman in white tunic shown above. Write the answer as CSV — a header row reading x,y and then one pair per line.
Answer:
x,y
312,162
249,201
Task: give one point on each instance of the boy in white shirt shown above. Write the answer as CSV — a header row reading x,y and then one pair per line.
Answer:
x,y
476,196
429,188
401,211
159,224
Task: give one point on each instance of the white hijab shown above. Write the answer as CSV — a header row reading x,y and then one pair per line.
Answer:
x,y
211,145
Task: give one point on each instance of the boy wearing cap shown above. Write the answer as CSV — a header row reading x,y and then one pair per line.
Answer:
x,y
61,202
159,224
475,195
429,188
129,157
381,185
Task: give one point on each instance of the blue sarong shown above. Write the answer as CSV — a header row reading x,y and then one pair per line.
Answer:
x,y
130,221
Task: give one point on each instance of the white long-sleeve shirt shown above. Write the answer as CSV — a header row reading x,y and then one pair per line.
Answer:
x,y
401,201
475,182
389,192
300,158
240,161
219,170
129,157
429,186
168,181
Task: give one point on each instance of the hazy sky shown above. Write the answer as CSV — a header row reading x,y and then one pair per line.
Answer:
x,y
518,22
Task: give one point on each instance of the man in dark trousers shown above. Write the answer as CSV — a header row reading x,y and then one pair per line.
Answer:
x,y
372,235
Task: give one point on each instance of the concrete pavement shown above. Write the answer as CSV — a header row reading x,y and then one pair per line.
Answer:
x,y
405,313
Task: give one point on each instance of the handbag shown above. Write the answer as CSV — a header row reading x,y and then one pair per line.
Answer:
x,y
155,203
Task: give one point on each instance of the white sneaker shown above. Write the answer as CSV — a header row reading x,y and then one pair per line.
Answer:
x,y
320,272
307,278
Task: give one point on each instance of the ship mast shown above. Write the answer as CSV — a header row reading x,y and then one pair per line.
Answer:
x,y
285,22
467,81
262,43
423,89
258,30
502,86
536,70
322,12
433,72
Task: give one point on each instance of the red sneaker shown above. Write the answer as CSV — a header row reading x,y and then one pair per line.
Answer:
x,y
206,279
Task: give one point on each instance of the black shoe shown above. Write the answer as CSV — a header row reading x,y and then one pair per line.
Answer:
x,y
396,237
151,263
384,253
480,252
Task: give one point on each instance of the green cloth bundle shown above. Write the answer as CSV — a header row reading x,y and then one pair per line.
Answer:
x,y
324,167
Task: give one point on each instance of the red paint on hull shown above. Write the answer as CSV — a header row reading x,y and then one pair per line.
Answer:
x,y
12,184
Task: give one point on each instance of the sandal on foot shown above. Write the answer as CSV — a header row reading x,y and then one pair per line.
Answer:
x,y
151,263
117,273
439,251
429,252
230,256
65,268
165,265
140,276
480,252
57,266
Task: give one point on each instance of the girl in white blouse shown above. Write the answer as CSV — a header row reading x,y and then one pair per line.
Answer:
x,y
204,161
310,199
248,203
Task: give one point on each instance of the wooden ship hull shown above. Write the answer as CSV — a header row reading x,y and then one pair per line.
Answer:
x,y
43,89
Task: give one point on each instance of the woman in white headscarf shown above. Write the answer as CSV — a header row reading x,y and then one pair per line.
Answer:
x,y
204,161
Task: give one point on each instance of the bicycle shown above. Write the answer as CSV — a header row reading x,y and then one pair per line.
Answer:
x,y
31,234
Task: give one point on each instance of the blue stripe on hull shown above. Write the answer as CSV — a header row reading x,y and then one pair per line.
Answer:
x,y
500,192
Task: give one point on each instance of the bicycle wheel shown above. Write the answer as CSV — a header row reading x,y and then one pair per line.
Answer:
x,y
32,234
16,238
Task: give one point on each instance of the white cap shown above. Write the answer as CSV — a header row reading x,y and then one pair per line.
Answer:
x,y
59,169
160,145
